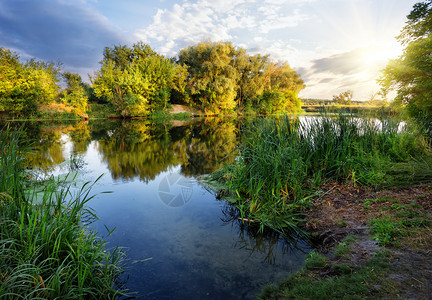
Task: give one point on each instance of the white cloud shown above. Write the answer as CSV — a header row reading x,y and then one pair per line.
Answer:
x,y
183,25
237,21
281,2
357,70
275,21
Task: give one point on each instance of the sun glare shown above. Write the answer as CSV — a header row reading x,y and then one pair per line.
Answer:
x,y
378,56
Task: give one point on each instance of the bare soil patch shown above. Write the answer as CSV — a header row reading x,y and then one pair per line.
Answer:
x,y
343,210
178,109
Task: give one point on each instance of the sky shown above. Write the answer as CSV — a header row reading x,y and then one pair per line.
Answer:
x,y
335,45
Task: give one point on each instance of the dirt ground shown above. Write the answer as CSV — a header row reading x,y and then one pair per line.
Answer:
x,y
177,109
340,211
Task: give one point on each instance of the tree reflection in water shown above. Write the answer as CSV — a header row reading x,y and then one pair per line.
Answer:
x,y
266,241
187,242
145,149
138,148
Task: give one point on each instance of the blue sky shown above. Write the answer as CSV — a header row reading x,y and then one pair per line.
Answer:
x,y
335,45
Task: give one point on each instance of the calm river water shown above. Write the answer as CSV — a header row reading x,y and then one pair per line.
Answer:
x,y
181,242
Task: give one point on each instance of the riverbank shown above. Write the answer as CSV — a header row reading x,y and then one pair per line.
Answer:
x,y
371,243
47,248
58,111
336,178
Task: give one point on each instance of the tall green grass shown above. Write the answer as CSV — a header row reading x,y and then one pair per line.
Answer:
x,y
46,249
282,162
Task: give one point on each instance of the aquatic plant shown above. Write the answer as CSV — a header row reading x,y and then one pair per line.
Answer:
x,y
46,248
283,161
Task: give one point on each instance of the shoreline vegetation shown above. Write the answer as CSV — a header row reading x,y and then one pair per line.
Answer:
x,y
47,247
60,112
283,161
208,79
363,185
135,81
352,195
346,184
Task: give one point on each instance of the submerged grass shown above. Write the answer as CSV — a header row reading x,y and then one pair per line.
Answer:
x,y
283,161
46,250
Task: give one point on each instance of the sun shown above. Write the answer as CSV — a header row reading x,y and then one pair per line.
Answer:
x,y
377,56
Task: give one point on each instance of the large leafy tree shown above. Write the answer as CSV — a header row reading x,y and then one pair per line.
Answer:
x,y
136,80
25,86
411,74
282,85
252,82
212,81
222,78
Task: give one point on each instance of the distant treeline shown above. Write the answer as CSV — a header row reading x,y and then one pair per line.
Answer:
x,y
327,102
136,81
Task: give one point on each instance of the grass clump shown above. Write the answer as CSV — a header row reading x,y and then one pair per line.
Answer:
x,y
399,221
331,281
46,249
283,161
315,260
344,247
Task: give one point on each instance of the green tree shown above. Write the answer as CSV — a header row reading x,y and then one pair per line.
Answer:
x,y
25,86
213,78
75,94
344,98
252,82
137,80
411,74
222,78
280,87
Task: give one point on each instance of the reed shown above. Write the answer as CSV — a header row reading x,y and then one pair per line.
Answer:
x,y
46,248
283,161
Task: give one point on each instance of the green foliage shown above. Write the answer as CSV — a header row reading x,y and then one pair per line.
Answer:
x,y
213,77
46,249
409,75
75,94
101,111
385,230
368,202
25,86
282,161
315,260
419,23
343,248
344,98
137,81
340,281
252,78
222,78
274,102
399,220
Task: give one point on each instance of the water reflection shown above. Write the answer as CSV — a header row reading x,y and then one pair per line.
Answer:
x,y
137,149
46,144
268,243
140,148
175,249
208,144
